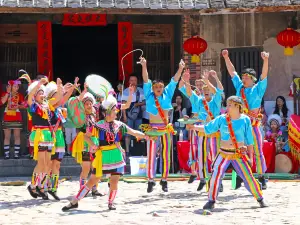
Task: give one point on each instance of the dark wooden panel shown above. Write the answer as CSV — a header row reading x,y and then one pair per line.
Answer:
x,y
14,57
18,33
241,58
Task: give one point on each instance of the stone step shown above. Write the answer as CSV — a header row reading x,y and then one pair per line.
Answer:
x,y
24,167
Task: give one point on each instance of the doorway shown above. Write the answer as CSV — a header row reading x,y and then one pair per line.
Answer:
x,y
80,51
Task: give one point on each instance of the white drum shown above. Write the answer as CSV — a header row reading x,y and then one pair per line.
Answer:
x,y
283,163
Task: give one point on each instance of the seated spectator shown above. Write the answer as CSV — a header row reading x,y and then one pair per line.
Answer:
x,y
282,110
178,112
275,134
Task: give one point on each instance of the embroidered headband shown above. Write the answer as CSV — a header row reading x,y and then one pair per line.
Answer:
x,y
249,75
88,97
235,99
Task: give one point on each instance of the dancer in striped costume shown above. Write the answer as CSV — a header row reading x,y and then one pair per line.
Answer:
x,y
193,135
207,107
252,95
236,148
109,155
158,103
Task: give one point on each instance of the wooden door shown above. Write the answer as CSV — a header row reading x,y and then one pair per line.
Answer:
x,y
157,42
241,58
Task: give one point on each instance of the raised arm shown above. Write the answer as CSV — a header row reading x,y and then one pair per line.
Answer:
x,y
34,90
205,76
186,80
55,102
127,103
229,65
265,57
4,98
215,76
179,71
143,62
70,89
81,96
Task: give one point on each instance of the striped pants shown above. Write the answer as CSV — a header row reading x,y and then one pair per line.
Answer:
x,y
259,158
242,168
166,141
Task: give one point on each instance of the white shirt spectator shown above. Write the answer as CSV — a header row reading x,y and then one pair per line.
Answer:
x,y
126,93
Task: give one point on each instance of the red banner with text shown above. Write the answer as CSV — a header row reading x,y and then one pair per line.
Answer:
x,y
84,19
125,45
44,49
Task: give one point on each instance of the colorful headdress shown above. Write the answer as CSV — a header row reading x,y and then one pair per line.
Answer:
x,y
88,97
50,89
109,103
33,85
274,118
14,82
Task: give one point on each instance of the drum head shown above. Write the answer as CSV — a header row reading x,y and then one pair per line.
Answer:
x,y
98,86
283,164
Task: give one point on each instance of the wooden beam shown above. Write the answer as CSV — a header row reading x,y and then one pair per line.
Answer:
x,y
211,11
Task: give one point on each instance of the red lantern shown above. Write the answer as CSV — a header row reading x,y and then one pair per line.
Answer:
x,y
195,46
288,38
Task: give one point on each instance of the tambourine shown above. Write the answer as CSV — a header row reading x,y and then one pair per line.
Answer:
x,y
188,121
98,86
155,133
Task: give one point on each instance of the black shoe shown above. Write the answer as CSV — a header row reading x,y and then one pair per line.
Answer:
x,y
221,188
97,193
262,204
238,182
111,207
44,195
201,185
263,182
31,192
209,205
164,185
151,184
54,195
70,206
192,179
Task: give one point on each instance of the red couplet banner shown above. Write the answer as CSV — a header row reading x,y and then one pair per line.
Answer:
x,y
125,45
84,19
44,49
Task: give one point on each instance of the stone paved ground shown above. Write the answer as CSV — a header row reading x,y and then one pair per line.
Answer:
x,y
182,205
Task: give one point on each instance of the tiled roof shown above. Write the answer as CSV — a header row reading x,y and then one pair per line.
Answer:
x,y
147,4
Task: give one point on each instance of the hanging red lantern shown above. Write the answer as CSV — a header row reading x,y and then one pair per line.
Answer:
x,y
288,38
195,46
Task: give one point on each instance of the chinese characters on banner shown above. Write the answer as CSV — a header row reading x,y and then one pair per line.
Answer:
x,y
44,51
84,19
124,46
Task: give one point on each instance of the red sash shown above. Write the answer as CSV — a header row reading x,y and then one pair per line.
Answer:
x,y
233,139
231,132
244,100
206,107
162,115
